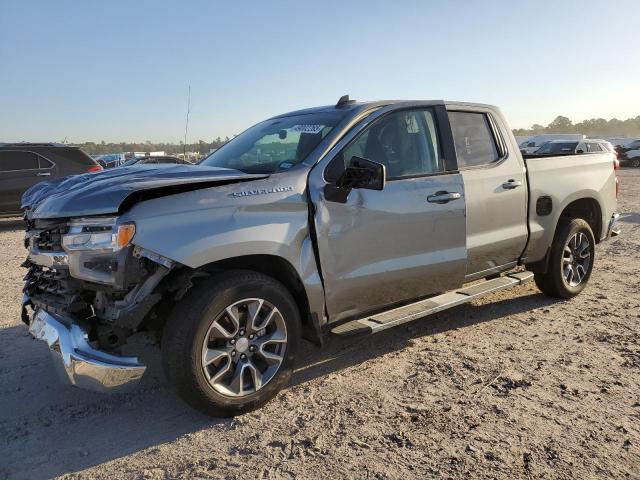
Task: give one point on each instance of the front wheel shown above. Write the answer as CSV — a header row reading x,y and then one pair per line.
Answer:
x,y
229,345
570,262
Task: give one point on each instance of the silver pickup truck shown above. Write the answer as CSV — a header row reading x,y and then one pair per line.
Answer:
x,y
350,219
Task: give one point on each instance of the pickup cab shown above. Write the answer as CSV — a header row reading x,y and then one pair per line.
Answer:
x,y
350,219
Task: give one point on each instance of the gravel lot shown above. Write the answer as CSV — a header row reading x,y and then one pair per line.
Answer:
x,y
511,386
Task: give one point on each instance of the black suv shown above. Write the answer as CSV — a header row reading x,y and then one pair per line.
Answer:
x,y
25,164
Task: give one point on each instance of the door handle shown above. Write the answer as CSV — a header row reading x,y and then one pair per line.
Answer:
x,y
511,184
43,174
443,197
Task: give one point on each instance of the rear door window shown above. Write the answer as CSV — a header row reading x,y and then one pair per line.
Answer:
x,y
474,139
43,162
17,160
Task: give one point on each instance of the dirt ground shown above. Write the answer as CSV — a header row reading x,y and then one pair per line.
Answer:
x,y
516,385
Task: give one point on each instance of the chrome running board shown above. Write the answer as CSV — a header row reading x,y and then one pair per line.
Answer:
x,y
415,311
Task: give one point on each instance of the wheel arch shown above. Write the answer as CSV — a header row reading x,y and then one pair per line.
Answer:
x,y
586,208
284,272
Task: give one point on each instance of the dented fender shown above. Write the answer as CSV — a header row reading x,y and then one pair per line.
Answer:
x,y
267,216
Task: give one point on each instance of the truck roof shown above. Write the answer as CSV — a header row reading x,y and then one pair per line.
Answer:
x,y
354,106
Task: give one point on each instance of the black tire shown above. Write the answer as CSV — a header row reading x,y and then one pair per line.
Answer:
x,y
553,282
191,319
635,162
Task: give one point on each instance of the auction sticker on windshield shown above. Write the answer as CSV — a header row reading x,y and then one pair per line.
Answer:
x,y
307,128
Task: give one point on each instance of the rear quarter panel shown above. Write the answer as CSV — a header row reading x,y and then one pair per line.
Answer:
x,y
566,179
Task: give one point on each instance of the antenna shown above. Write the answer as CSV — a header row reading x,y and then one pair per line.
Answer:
x,y
186,125
344,100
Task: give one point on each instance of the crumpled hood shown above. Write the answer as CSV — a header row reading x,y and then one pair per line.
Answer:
x,y
104,192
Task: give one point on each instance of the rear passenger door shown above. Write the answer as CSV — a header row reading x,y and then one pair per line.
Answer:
x,y
19,170
495,188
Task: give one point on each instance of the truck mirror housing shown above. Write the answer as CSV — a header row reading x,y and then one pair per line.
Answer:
x,y
361,173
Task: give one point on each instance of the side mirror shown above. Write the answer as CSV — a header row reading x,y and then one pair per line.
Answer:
x,y
361,173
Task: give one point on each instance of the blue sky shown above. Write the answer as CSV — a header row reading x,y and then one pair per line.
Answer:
x,y
119,70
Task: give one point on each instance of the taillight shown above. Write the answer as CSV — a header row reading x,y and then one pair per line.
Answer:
x,y
616,166
94,168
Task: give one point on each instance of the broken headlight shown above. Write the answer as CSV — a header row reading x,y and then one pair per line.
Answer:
x,y
95,245
97,234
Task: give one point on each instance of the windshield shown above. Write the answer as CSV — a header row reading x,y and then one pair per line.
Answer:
x,y
275,145
557,147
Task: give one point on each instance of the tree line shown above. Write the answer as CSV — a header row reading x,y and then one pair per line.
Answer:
x,y
202,147
593,128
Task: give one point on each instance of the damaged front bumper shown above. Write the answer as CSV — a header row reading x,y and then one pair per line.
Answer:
x,y
77,362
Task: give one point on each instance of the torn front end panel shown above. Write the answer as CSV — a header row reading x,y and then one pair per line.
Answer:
x,y
110,293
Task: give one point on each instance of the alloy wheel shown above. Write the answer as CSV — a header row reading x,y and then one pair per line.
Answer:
x,y
244,347
576,259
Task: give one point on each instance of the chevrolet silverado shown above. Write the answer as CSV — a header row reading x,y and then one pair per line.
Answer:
x,y
351,219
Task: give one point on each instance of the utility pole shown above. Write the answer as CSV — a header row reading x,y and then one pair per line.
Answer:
x,y
186,126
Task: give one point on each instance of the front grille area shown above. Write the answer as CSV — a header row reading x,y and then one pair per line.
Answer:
x,y
45,235
54,290
49,240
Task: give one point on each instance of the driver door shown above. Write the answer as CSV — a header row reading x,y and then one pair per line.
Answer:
x,y
400,243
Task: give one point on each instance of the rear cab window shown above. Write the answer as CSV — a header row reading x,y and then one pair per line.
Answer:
x,y
474,139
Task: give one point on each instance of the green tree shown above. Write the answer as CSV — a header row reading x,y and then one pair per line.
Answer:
x,y
560,125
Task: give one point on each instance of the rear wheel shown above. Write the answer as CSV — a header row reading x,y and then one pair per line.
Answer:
x,y
570,262
635,162
229,346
